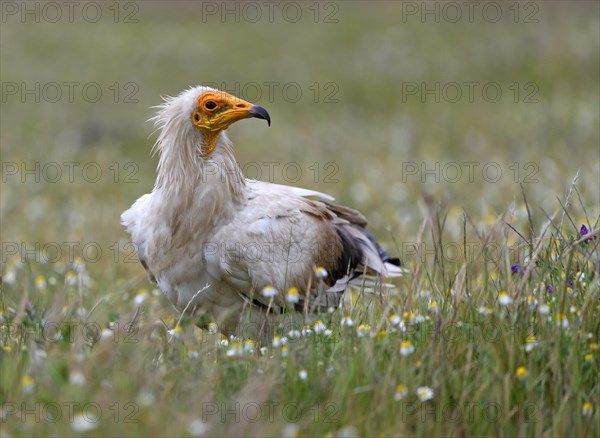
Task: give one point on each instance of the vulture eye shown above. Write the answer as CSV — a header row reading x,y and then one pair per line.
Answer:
x,y
210,105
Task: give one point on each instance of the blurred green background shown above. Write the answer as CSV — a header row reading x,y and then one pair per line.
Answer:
x,y
363,116
388,106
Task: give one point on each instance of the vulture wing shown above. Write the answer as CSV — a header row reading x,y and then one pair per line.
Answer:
x,y
280,237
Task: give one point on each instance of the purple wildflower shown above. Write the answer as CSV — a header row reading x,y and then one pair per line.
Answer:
x,y
29,310
549,289
583,231
516,269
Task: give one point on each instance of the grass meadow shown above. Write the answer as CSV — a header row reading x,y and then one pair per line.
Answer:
x,y
469,136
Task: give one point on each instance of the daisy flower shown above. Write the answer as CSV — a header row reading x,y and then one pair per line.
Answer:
x,y
346,322
406,348
82,423
395,319
249,346
321,272
197,428
141,297
530,343
212,328
562,321
236,349
307,330
522,373
401,392
71,278
292,296
319,327
433,307
278,341
363,330
268,291
40,282
484,310
504,299
77,378
176,331
424,393
27,384
418,319
79,264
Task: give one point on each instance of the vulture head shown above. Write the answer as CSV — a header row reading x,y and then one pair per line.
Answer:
x,y
191,126
215,111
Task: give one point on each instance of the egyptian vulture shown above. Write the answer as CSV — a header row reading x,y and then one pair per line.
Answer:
x,y
226,249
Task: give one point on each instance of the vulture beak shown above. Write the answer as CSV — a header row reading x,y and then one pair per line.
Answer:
x,y
260,113
238,109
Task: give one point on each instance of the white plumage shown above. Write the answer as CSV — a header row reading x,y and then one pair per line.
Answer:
x,y
213,240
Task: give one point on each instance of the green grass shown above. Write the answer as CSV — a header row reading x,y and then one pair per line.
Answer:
x,y
468,353
118,359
